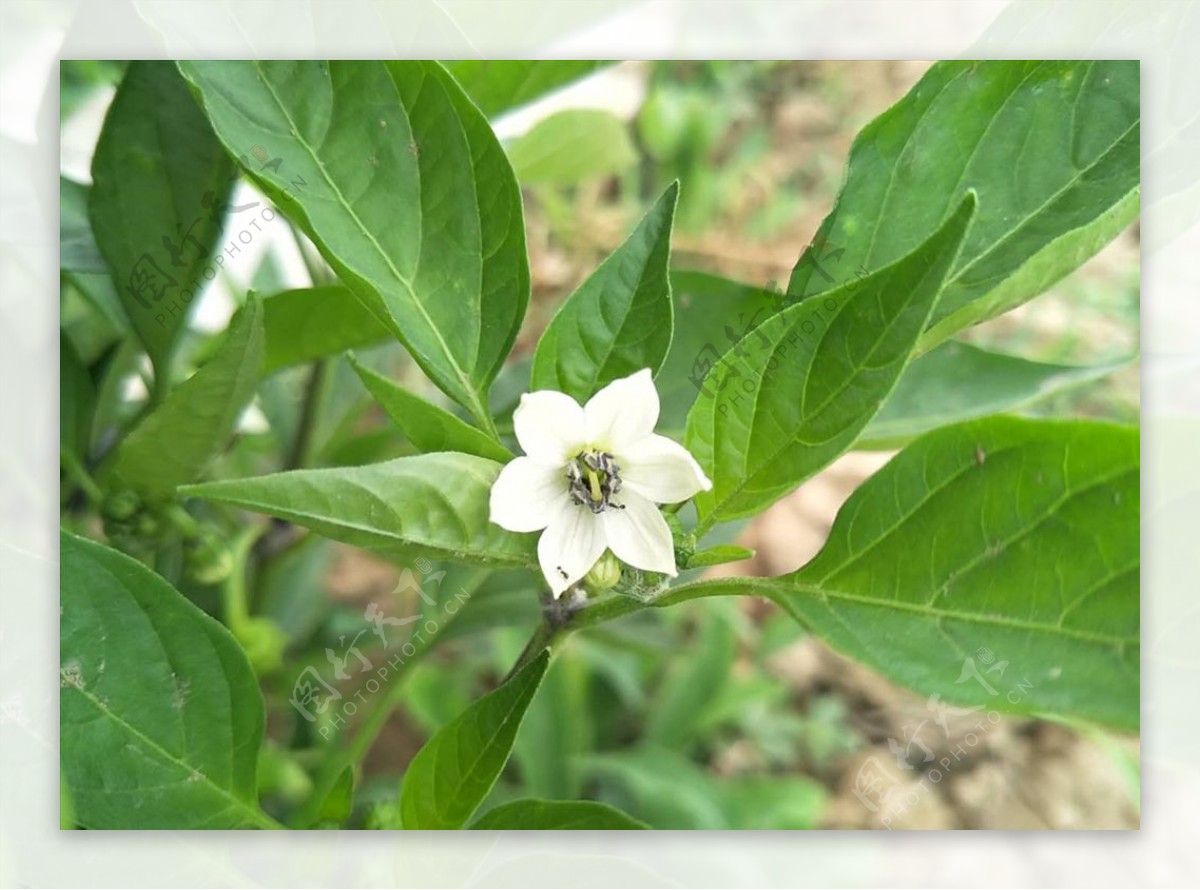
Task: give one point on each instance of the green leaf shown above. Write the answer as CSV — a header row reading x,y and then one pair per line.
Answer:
x,y
160,713
693,680
401,184
712,313
1051,147
76,400
1012,537
775,803
619,320
556,815
315,322
431,504
795,392
77,250
994,564
719,555
160,180
958,382
339,802
571,147
180,438
455,770
663,787
500,85
427,426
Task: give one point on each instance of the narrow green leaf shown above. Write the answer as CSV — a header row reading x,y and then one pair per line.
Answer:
x,y
573,146
1051,147
315,322
160,180
619,320
719,555
433,504
452,774
427,426
958,382
556,815
181,437
500,85
160,713
401,184
693,680
339,802
795,392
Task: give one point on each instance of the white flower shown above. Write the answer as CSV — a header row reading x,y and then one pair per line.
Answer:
x,y
591,478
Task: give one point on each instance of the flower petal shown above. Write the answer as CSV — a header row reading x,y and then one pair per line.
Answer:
x,y
623,412
570,546
549,425
638,534
662,470
527,495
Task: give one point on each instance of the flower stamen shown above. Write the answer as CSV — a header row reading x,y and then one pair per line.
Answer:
x,y
594,477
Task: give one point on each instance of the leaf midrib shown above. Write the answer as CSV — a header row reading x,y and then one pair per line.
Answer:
x,y
255,815
464,379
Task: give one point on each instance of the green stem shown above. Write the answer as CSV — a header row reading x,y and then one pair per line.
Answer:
x,y
301,453
235,606
81,477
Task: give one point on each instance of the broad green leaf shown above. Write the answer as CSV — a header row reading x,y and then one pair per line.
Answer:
x,y
993,564
500,85
795,392
77,250
160,713
401,184
160,183
1005,539
556,815
957,382
427,426
185,433
455,770
433,504
1051,147
573,146
315,322
76,400
619,320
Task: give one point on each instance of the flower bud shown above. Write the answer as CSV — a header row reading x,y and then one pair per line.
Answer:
x,y
605,574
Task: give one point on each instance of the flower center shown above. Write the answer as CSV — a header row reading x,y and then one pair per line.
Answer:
x,y
594,479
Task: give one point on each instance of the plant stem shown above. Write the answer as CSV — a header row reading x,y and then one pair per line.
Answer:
x,y
81,477
301,453
234,605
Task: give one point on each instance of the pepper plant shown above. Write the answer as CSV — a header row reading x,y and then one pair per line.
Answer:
x,y
563,488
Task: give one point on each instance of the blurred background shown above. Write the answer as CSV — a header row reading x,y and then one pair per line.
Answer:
x,y
721,714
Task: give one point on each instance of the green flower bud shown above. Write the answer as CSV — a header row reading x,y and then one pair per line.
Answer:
x,y
264,642
121,505
605,574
